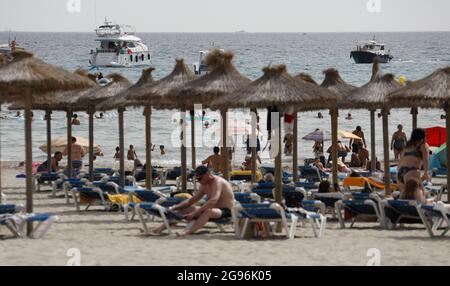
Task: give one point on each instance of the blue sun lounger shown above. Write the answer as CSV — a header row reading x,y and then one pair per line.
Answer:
x,y
397,212
94,194
273,213
47,178
16,223
360,205
437,216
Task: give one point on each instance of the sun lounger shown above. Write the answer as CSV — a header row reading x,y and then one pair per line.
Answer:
x,y
16,223
396,212
360,205
46,178
69,184
437,216
274,213
247,198
313,174
92,196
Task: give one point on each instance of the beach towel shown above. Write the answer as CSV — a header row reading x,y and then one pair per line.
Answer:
x,y
123,199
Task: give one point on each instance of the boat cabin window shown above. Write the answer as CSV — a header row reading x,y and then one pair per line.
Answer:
x,y
142,57
137,58
148,56
131,44
131,58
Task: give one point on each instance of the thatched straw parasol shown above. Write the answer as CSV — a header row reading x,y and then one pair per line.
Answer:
x,y
130,97
334,82
23,79
277,88
373,96
306,77
432,91
87,102
171,84
222,79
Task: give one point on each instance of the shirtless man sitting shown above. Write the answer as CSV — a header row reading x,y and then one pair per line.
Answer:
x,y
220,202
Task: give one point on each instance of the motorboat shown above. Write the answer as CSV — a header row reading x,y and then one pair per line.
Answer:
x,y
119,47
367,52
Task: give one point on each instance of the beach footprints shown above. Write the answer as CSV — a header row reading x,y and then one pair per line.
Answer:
x,y
74,255
374,255
73,6
373,6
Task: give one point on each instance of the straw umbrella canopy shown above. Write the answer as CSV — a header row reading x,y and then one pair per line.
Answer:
x,y
373,96
88,100
306,77
277,88
223,78
337,85
171,84
432,91
334,82
24,79
130,98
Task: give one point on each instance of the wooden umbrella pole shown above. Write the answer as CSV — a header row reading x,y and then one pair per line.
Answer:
x,y
48,117
295,152
0,163
91,112
334,142
387,173
148,149
69,143
278,171
373,155
122,148
194,156
447,122
414,113
183,153
28,159
226,167
253,144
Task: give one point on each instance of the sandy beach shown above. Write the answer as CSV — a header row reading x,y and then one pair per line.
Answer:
x,y
104,238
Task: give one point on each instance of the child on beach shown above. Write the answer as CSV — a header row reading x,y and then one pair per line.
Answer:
x,y
131,155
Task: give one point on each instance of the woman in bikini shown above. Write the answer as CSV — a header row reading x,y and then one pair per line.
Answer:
x,y
415,155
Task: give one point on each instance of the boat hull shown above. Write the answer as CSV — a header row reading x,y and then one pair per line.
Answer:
x,y
113,60
362,57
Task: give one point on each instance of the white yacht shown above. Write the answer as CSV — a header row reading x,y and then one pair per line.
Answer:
x,y
119,47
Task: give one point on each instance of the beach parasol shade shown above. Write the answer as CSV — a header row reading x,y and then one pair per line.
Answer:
x,y
24,79
28,72
306,77
222,79
129,96
59,144
372,95
178,78
95,96
320,135
436,136
335,83
278,88
431,91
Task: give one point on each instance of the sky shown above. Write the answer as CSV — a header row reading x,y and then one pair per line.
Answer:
x,y
228,15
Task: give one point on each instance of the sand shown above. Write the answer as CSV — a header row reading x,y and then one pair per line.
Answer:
x,y
104,238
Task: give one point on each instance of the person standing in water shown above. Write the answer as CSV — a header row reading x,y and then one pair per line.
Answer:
x,y
398,141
